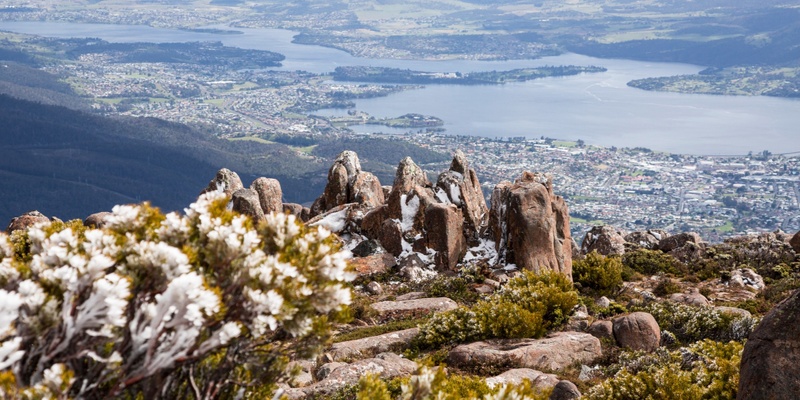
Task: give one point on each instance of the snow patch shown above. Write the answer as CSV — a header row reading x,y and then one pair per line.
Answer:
x,y
442,196
455,194
334,222
408,209
485,250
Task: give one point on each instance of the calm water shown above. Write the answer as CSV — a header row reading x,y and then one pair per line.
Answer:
x,y
598,108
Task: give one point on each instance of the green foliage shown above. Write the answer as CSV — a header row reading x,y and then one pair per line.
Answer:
x,y
690,323
652,262
526,306
376,330
666,286
704,370
429,384
455,288
597,272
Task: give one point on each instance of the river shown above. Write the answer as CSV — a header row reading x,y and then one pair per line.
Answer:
x,y
598,108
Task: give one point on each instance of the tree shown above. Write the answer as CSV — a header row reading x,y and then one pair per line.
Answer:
x,y
160,306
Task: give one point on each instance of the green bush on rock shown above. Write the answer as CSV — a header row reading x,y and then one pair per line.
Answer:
x,y
527,306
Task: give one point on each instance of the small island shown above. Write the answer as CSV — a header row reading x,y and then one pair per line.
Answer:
x,y
732,81
397,75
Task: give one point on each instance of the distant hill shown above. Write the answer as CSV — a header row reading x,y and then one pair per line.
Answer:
x,y
70,164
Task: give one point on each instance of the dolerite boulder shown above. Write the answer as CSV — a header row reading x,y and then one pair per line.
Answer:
x,y
530,225
460,186
348,184
637,331
565,390
226,181
605,240
302,213
770,364
443,223
245,201
645,239
795,242
270,195
26,220
678,241
96,220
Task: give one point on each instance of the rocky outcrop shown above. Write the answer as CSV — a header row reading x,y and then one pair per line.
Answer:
x,y
693,297
443,223
25,221
553,353
674,242
347,183
373,264
771,357
530,225
746,278
302,213
96,220
637,331
270,195
460,186
605,240
226,181
245,201
367,347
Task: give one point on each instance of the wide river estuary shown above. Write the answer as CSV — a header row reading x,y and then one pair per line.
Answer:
x,y
598,108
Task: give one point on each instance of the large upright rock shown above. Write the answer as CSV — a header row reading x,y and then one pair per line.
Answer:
x,y
444,224
530,225
270,195
459,185
605,240
771,358
226,181
348,184
409,181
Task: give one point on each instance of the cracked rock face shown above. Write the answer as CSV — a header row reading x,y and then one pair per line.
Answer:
x,y
460,186
605,240
270,195
530,225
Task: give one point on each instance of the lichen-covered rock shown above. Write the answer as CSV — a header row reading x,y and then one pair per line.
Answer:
x,y
373,264
444,223
746,277
226,181
385,365
246,201
553,353
517,376
605,240
530,225
26,220
637,331
366,189
692,297
367,347
416,306
770,364
96,220
270,195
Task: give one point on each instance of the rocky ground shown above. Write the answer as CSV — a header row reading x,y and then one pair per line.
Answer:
x,y
427,254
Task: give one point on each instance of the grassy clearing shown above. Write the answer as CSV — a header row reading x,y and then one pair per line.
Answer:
x,y
252,139
306,149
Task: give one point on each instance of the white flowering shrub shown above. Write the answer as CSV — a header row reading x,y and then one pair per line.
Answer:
x,y
704,370
160,306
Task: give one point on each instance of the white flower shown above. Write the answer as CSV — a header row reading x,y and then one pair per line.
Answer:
x,y
31,294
